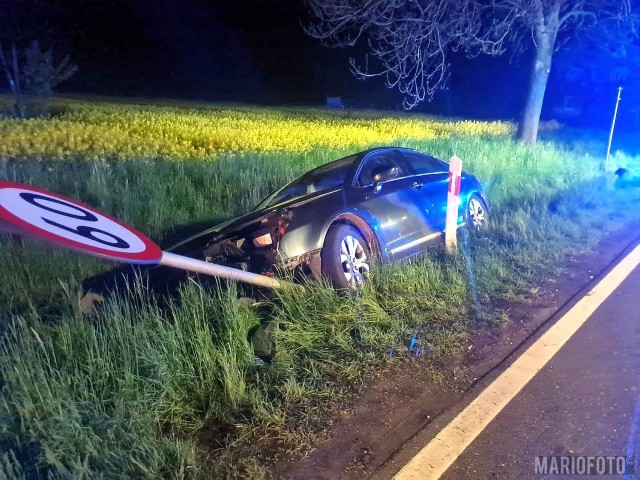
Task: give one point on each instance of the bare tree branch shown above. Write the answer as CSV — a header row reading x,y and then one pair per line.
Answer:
x,y
408,41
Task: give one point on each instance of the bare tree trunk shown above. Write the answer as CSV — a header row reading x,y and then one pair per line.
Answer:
x,y
19,105
13,77
528,125
546,25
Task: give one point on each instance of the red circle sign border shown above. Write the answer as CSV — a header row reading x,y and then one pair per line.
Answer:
x,y
151,254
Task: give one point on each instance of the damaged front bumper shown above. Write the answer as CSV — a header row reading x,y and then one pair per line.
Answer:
x,y
256,247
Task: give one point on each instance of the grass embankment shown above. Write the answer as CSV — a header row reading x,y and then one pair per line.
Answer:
x,y
143,393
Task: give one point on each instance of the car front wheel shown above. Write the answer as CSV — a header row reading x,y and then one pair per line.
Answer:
x,y
476,214
345,257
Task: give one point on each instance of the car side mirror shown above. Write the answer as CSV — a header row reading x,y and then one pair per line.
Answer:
x,y
383,174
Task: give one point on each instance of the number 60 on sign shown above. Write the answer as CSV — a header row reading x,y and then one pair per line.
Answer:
x,y
34,212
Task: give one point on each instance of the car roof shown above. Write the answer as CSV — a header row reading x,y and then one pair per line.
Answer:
x,y
384,149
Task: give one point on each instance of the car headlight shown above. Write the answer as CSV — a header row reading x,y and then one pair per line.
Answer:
x,y
263,240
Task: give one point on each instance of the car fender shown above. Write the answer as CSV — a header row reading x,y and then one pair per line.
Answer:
x,y
470,185
365,223
309,237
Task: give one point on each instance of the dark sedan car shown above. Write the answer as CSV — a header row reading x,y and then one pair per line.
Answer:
x,y
383,204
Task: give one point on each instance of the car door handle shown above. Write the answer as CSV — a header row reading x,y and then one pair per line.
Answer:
x,y
417,185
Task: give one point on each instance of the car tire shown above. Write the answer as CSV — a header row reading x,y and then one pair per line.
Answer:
x,y
476,214
346,257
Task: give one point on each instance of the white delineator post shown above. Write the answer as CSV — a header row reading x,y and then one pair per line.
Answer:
x,y
453,203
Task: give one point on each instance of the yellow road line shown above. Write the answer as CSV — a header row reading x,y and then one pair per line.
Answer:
x,y
440,453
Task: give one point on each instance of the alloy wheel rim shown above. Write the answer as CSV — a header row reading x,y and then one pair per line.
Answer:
x,y
354,261
477,213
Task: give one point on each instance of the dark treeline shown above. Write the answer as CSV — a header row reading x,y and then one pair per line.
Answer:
x,y
256,51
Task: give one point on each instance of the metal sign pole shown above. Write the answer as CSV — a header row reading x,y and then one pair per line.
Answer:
x,y
200,266
603,166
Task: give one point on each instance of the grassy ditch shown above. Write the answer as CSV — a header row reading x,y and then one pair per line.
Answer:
x,y
142,392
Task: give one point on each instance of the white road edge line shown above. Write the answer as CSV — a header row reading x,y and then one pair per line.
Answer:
x,y
440,453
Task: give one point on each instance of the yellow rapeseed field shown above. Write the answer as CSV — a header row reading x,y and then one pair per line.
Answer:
x,y
92,131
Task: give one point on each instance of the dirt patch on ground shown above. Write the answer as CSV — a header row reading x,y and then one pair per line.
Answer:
x,y
404,398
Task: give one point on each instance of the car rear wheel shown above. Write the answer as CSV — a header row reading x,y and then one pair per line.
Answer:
x,y
476,214
346,257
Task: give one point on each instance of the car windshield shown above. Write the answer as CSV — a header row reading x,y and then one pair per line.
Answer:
x,y
331,175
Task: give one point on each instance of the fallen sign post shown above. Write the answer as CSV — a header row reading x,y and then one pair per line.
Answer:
x,y
33,212
453,203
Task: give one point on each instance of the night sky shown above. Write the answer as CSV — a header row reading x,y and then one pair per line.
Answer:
x,y
255,51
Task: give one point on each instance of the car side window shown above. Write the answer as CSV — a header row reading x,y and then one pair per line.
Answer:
x,y
379,162
421,164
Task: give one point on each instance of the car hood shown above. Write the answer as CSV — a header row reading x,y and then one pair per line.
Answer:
x,y
255,217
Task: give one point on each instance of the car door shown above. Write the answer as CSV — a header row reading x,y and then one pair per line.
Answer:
x,y
431,178
434,187
398,204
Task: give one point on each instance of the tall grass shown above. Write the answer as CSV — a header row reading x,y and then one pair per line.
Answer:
x,y
160,197
91,397
141,391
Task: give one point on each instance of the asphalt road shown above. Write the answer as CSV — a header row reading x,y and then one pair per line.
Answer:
x,y
582,402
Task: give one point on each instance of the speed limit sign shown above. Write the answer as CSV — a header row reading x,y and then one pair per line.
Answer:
x,y
51,217
34,212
